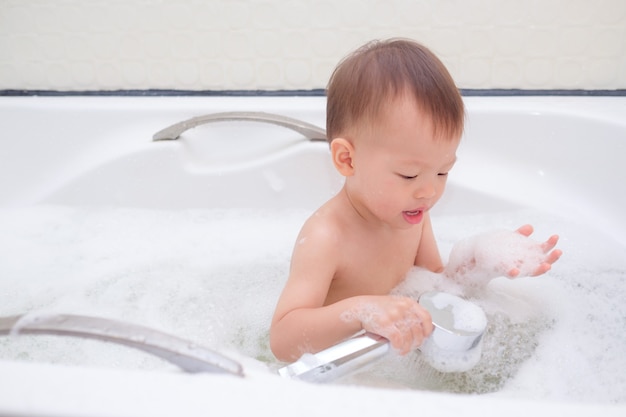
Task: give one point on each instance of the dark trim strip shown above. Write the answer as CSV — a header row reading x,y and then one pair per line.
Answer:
x,y
166,93
318,92
515,92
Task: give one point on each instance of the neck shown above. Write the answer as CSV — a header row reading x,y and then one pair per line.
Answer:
x,y
359,211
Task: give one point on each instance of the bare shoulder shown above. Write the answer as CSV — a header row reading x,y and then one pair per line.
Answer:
x,y
322,231
314,262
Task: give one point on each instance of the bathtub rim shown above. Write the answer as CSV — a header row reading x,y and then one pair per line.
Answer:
x,y
24,386
158,393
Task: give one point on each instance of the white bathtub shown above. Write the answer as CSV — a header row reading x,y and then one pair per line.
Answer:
x,y
562,156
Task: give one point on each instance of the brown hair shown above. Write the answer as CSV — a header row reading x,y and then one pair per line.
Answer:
x,y
380,71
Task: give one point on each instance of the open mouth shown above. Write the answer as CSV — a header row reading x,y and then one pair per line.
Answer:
x,y
413,216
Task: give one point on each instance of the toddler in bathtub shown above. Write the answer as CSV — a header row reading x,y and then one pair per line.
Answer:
x,y
394,122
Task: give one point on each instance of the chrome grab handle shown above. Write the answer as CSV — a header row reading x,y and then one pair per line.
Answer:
x,y
185,354
309,130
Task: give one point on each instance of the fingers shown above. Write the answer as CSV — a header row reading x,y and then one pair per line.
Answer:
x,y
554,256
547,264
405,324
525,230
549,244
513,273
427,322
541,269
416,326
547,248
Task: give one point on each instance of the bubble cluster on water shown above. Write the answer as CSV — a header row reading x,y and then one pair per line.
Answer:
x,y
213,277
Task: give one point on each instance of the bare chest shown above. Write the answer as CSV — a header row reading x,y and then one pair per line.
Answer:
x,y
373,265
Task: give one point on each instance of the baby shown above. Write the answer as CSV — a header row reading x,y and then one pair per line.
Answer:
x,y
394,122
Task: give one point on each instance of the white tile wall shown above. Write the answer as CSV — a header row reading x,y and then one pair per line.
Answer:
x,y
295,44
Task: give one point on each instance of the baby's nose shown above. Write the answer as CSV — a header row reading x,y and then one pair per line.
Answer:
x,y
425,190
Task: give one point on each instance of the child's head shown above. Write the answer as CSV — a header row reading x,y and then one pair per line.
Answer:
x,y
380,72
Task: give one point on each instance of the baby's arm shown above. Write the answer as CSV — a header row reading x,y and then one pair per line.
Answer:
x,y
477,260
302,323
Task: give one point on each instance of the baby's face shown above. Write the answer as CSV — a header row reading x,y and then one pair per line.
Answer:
x,y
400,168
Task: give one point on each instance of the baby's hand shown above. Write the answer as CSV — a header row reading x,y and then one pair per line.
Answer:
x,y
401,320
546,248
477,260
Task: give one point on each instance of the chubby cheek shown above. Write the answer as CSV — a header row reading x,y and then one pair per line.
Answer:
x,y
386,196
440,190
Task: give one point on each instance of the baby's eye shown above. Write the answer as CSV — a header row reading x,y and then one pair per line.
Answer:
x,y
407,177
442,174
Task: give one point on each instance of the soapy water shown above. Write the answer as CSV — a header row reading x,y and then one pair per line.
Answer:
x,y
213,277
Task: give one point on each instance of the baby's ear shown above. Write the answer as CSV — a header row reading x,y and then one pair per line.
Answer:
x,y
342,152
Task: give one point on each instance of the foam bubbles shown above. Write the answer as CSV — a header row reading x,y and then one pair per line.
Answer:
x,y
555,337
478,259
466,316
375,320
210,276
214,276
456,343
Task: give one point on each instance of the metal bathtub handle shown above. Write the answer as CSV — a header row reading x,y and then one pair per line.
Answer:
x,y
185,354
309,130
